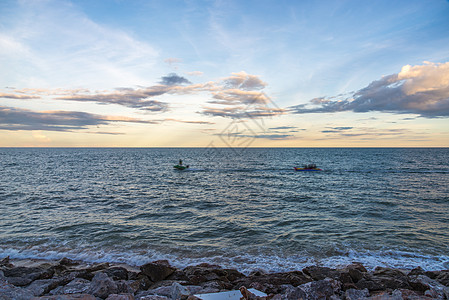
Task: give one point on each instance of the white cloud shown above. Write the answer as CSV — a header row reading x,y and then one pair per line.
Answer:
x,y
422,90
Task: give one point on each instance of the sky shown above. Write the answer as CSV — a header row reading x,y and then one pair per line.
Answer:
x,y
331,73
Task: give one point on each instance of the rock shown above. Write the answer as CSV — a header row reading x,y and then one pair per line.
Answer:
x,y
76,286
178,291
355,274
321,289
19,281
294,294
120,297
443,277
388,278
9,291
369,284
32,274
417,284
68,262
42,286
157,271
353,294
117,273
102,286
272,283
416,271
206,272
320,273
68,297
6,263
152,297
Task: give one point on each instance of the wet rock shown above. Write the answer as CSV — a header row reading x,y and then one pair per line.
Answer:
x,y
76,286
369,284
117,273
321,289
68,297
102,286
120,297
416,271
152,297
273,282
42,286
157,271
68,262
417,283
9,291
179,291
6,263
320,273
206,272
443,277
19,281
353,294
294,293
32,274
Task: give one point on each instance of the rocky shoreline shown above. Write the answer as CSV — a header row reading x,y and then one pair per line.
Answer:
x,y
68,280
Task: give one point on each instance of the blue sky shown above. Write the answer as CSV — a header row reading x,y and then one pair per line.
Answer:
x,y
224,73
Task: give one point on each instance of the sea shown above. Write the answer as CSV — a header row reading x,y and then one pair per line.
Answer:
x,y
239,208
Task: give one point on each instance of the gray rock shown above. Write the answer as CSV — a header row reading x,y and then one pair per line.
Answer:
x,y
178,291
42,286
68,297
76,286
102,286
157,271
321,289
11,292
152,297
353,294
120,297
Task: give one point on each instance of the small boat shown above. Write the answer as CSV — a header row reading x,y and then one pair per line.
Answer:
x,y
311,167
180,167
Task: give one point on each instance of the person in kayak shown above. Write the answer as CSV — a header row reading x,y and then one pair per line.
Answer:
x,y
180,162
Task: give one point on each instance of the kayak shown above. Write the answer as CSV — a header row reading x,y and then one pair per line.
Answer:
x,y
307,169
178,167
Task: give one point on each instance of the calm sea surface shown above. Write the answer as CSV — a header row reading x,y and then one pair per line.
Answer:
x,y
246,209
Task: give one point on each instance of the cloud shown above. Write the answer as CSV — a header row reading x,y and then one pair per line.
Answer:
x,y
172,60
240,112
23,119
174,79
195,73
126,97
17,96
236,96
244,81
421,90
190,122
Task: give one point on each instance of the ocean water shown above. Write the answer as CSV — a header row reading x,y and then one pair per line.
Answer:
x,y
241,208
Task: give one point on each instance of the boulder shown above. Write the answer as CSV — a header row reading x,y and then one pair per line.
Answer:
x,y
68,297
272,283
179,291
68,262
32,274
42,286
76,286
353,294
9,291
102,286
320,273
322,289
117,273
120,297
157,271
